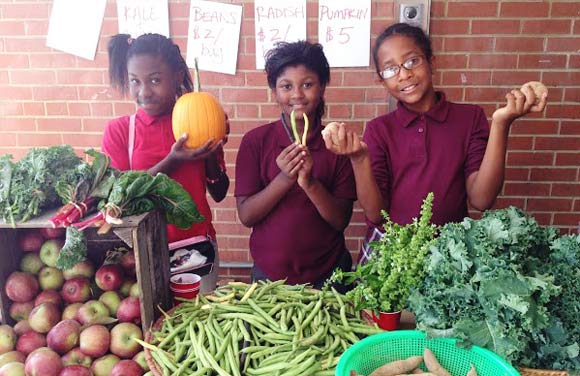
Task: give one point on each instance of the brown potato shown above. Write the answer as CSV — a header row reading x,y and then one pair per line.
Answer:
x,y
539,89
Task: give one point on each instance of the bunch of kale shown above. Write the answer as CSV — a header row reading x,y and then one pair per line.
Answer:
x,y
27,187
507,284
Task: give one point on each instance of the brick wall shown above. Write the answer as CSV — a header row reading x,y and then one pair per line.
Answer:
x,y
483,49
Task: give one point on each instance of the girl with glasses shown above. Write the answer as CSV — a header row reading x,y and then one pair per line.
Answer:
x,y
428,144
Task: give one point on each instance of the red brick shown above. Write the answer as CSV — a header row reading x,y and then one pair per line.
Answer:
x,y
56,108
78,109
82,77
493,61
36,27
514,77
557,143
8,92
30,77
561,78
571,190
577,205
476,44
466,78
572,94
525,126
543,219
509,44
570,219
438,8
553,174
102,109
472,9
10,61
34,109
449,26
345,95
11,28
549,204
526,189
542,61
39,139
524,9
450,61
94,125
570,127
249,95
495,27
568,111
516,174
256,79
94,92
221,79
565,8
520,143
529,159
564,44
54,93
567,159
484,94
245,111
341,112
17,124
544,27
82,140
52,60
31,44
365,111
504,202
25,11
7,139
366,78
58,125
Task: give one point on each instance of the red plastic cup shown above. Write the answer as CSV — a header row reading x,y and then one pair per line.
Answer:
x,y
388,320
185,286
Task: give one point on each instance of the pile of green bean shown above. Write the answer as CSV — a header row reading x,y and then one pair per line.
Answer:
x,y
266,328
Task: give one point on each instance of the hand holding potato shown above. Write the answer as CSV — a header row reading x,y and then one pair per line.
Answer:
x,y
341,140
531,97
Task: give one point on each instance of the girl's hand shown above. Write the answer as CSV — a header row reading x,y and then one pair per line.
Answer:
x,y
180,152
521,102
343,141
305,171
290,160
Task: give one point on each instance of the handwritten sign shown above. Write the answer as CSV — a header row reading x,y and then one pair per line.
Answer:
x,y
277,21
344,29
213,37
137,17
74,26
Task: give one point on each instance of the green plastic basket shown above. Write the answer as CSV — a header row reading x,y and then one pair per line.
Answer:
x,y
372,352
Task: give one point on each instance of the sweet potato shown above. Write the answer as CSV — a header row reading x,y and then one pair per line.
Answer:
x,y
398,367
472,371
433,365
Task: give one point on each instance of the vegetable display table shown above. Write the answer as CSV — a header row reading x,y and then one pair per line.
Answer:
x,y
146,234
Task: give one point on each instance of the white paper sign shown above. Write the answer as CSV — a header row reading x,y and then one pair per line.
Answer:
x,y
344,29
277,21
74,26
213,37
137,17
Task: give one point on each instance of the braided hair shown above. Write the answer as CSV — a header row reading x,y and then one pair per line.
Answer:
x,y
122,47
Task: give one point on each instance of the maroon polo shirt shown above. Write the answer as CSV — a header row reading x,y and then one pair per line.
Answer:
x,y
414,154
293,241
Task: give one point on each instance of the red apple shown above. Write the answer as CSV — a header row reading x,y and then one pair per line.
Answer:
x,y
30,240
43,317
71,311
127,367
64,336
50,278
43,362
50,250
109,277
20,311
75,370
21,287
21,327
112,300
76,290
12,369
95,341
7,339
31,263
92,312
81,269
128,263
123,342
76,356
52,232
30,341
48,296
12,356
129,310
104,365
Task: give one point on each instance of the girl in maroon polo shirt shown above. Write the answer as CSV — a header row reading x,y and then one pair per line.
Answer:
x,y
296,198
151,69
427,144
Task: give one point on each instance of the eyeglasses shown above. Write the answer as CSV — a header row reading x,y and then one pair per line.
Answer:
x,y
410,63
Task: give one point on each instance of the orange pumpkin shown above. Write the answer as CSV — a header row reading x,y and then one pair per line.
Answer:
x,y
200,115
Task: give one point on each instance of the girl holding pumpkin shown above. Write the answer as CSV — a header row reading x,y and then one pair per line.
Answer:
x,y
427,144
296,198
155,74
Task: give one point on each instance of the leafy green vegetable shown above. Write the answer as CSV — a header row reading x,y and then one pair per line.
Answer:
x,y
28,186
396,266
493,282
74,249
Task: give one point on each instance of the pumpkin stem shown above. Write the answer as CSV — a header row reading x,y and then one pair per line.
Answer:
x,y
196,83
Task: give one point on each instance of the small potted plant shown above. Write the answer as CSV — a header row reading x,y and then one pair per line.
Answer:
x,y
395,267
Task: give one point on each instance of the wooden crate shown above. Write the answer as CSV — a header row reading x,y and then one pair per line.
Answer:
x,y
146,234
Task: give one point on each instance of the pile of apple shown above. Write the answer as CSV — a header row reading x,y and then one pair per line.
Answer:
x,y
72,322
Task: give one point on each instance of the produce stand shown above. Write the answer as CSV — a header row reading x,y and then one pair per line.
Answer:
x,y
145,234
